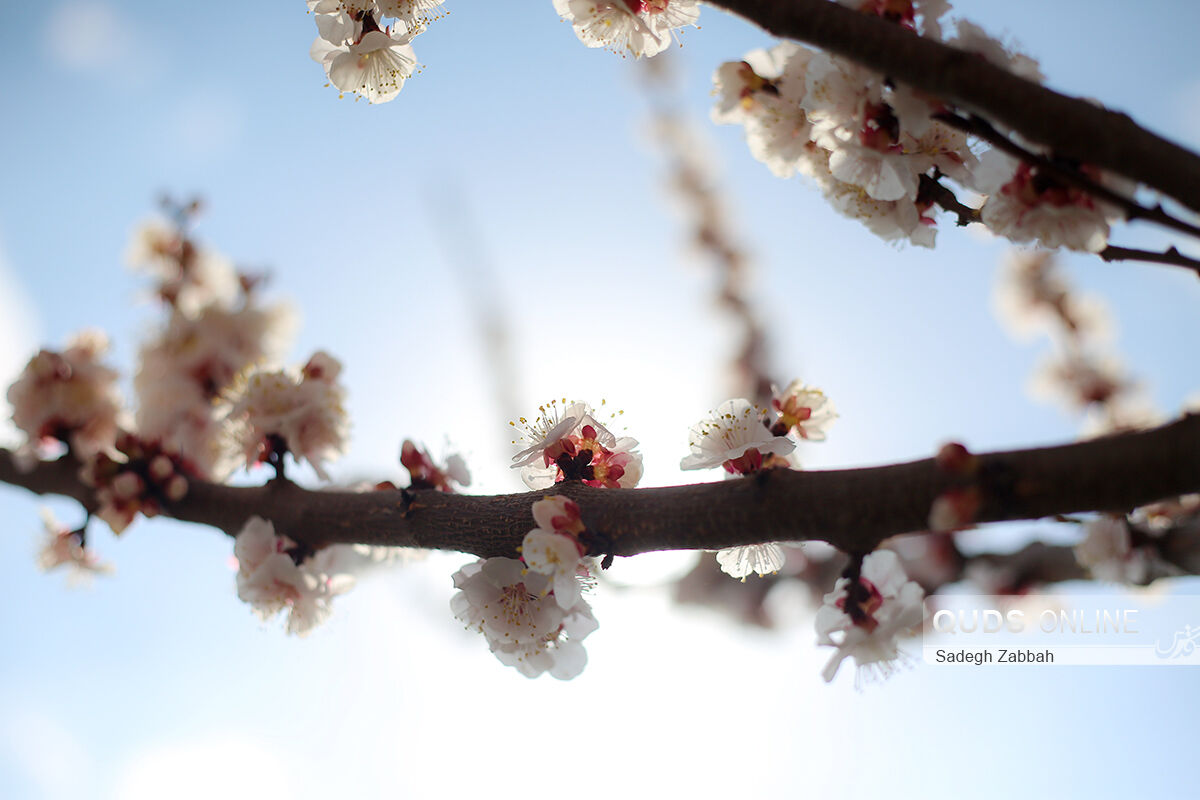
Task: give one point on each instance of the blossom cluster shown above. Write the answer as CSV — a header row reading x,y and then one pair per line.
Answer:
x,y
1082,372
866,613
567,442
274,412
69,397
531,610
134,477
216,330
878,151
365,46
1129,550
637,27
273,576
203,395
744,439
187,276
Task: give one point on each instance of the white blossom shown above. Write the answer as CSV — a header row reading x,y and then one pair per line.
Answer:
x,y
414,13
191,278
615,461
890,220
744,560
763,92
890,605
306,410
506,602
270,580
1031,296
553,548
555,420
523,625
570,429
561,653
804,409
729,433
1109,552
851,119
62,547
375,66
1077,379
1026,206
639,27
186,370
338,20
69,395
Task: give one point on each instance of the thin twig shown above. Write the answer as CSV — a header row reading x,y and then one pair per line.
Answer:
x,y
1171,257
977,126
933,189
946,199
1069,127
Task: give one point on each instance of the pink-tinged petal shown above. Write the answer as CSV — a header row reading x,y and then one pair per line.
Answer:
x,y
569,660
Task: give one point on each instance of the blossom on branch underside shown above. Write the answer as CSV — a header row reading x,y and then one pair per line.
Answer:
x,y
744,440
877,150
865,614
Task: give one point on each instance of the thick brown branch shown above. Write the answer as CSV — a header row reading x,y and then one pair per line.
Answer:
x,y
1070,127
852,509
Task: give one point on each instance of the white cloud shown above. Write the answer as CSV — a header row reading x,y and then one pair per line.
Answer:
x,y
231,766
89,36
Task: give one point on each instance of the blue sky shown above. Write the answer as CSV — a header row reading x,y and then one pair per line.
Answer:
x,y
160,678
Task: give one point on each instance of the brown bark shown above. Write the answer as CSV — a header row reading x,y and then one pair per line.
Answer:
x,y
852,509
1070,127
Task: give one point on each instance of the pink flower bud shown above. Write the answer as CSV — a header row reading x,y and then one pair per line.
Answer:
x,y
176,488
127,486
161,468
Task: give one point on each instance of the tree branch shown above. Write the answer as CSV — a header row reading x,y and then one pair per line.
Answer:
x,y
851,509
1070,127
1065,173
1170,257
947,200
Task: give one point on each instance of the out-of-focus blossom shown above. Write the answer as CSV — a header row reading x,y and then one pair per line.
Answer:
x,y
305,412
270,580
64,548
638,27
69,396
864,619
